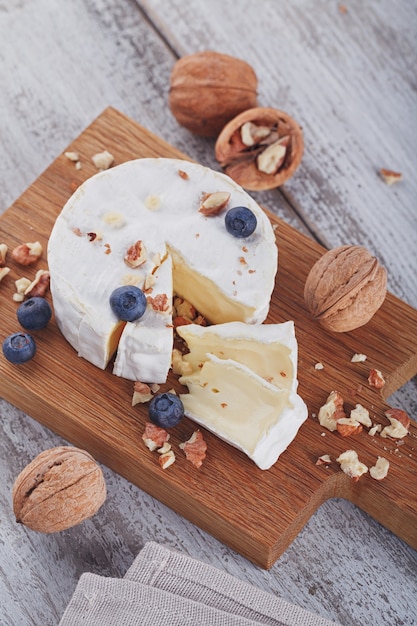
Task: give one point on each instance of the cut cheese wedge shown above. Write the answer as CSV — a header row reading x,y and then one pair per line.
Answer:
x,y
242,383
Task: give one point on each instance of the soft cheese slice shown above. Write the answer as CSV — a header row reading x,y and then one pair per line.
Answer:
x,y
155,201
242,408
145,346
269,350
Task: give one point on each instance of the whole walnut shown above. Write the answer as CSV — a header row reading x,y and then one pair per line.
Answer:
x,y
60,488
345,288
208,89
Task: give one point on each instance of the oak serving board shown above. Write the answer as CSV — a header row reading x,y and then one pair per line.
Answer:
x,y
257,513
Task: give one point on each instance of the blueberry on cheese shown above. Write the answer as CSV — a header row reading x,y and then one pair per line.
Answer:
x,y
128,303
159,225
240,222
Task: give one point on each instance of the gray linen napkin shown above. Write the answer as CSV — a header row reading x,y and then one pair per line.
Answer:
x,y
164,587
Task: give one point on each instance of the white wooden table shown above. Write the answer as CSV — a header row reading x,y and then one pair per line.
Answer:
x,y
347,74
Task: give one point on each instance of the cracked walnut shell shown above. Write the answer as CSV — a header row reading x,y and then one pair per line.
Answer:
x,y
207,89
60,488
260,148
345,288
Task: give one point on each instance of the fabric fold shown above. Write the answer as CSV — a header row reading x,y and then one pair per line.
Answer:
x,y
165,587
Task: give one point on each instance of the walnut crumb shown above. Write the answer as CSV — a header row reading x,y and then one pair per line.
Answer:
x,y
376,379
380,469
195,448
389,176
103,160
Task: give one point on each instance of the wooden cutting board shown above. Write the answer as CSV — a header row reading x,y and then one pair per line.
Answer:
x,y
257,513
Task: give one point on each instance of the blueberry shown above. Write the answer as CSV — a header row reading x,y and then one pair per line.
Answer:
x,y
19,348
240,221
166,410
128,303
34,314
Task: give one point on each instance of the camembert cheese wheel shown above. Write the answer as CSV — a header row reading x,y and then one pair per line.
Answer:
x,y
140,224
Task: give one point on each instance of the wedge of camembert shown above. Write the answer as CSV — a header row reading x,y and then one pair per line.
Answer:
x,y
242,385
141,224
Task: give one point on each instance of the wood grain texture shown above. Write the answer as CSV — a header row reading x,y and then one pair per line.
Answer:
x,y
229,497
345,75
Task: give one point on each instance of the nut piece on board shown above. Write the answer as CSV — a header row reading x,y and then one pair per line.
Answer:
x,y
260,148
207,89
345,288
60,488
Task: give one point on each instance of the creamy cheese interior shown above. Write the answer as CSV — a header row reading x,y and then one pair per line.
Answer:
x,y
234,402
269,350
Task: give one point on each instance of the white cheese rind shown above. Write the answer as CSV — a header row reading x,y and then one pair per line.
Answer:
x,y
148,200
243,409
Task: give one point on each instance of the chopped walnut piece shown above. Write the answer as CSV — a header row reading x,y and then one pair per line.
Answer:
x,y
270,160
213,203
159,303
72,156
165,448
183,174
389,176
167,459
380,469
358,358
375,379
332,411
103,160
179,366
361,415
21,285
251,133
324,460
376,428
3,272
141,393
183,308
154,437
3,254
347,426
136,254
178,320
350,464
195,448
39,286
27,253
200,320
399,424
